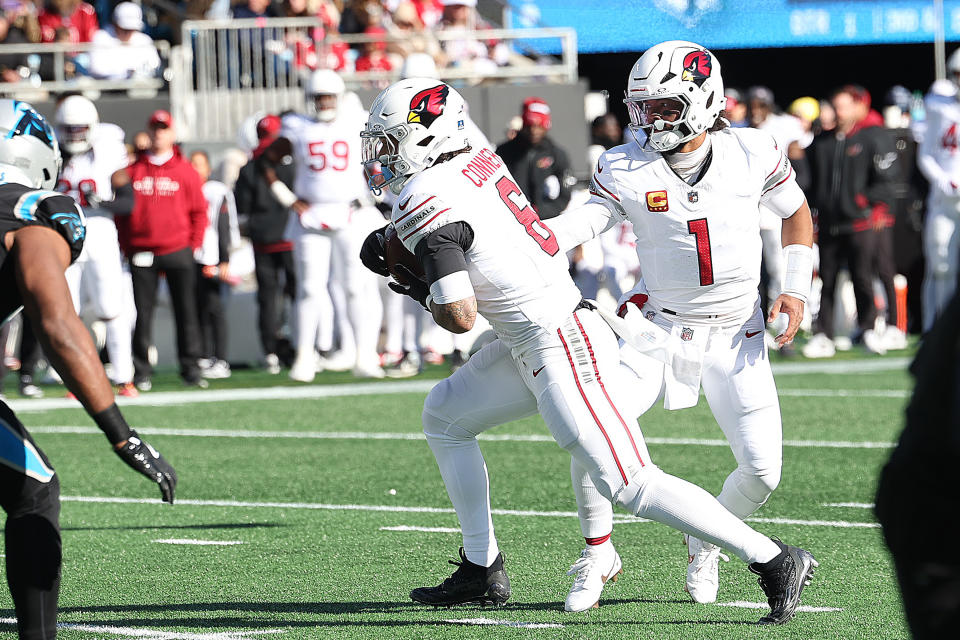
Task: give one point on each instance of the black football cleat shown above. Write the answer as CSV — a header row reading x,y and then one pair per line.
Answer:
x,y
783,579
469,583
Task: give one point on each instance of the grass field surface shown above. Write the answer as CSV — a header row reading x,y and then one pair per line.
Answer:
x,y
310,511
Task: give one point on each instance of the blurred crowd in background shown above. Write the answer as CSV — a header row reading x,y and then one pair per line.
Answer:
x,y
122,35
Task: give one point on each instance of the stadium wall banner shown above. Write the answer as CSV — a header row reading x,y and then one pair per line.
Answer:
x,y
603,26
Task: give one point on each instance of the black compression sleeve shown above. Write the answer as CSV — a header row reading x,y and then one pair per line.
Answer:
x,y
113,425
442,252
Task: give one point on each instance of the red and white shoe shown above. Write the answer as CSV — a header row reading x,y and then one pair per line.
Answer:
x,y
127,390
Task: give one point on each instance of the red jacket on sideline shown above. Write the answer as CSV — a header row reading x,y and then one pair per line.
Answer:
x,y
169,210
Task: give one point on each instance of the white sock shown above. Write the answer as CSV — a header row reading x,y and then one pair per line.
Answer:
x,y
685,506
595,511
119,336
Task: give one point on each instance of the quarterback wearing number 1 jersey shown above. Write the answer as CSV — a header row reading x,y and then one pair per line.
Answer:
x,y
693,190
484,250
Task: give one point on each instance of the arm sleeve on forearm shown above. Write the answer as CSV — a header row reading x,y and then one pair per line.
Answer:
x,y
122,203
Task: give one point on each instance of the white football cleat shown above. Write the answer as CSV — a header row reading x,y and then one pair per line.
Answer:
x,y
597,565
703,569
873,342
894,339
304,369
336,361
819,346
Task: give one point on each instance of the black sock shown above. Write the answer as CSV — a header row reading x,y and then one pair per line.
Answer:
x,y
33,551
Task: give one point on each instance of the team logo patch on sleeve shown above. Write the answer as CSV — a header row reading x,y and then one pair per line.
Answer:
x,y
427,106
657,201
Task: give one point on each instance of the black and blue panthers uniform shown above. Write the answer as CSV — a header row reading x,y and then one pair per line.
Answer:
x,y
22,206
29,486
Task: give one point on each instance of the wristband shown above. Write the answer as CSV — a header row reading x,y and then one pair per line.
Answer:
x,y
799,270
113,425
282,193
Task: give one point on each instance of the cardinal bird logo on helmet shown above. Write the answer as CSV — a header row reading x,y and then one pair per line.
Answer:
x,y
428,105
697,67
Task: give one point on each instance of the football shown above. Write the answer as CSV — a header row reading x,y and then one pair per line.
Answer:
x,y
395,253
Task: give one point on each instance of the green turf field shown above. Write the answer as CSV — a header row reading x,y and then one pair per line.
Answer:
x,y
313,500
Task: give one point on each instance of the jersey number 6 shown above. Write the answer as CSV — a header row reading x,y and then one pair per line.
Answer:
x,y
527,216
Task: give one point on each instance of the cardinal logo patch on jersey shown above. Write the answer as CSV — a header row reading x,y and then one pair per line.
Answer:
x,y
697,67
428,105
657,201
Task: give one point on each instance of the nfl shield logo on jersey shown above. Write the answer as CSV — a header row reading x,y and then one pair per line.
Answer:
x,y
686,334
693,196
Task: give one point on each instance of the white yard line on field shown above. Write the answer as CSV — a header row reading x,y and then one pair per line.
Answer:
x,y
763,605
383,435
487,622
311,392
402,509
851,505
199,543
156,634
404,527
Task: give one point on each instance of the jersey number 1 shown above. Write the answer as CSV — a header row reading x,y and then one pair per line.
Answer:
x,y
701,232
527,216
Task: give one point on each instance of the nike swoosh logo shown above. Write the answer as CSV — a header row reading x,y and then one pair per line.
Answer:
x,y
403,205
750,334
599,168
536,371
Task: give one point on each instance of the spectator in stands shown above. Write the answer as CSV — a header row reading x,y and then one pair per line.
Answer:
x,y
851,186
430,12
605,132
222,235
358,15
374,55
807,110
406,23
11,64
466,51
161,233
736,108
255,9
540,167
77,17
122,50
273,251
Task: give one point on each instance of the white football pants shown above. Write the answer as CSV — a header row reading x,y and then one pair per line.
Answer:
x,y
96,281
941,241
739,387
353,290
572,378
314,306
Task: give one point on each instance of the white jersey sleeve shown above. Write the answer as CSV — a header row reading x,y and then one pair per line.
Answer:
x,y
780,192
417,215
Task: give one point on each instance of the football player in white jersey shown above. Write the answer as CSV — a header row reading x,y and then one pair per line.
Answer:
x,y
94,175
692,187
938,158
484,250
332,219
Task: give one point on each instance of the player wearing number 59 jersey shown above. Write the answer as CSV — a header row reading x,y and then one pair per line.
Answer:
x,y
692,187
483,249
94,175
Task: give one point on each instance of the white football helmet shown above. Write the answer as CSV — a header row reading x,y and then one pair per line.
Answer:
x,y
674,93
411,123
29,154
324,82
75,119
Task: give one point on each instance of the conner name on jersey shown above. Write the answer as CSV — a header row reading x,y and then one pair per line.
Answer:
x,y
162,185
482,166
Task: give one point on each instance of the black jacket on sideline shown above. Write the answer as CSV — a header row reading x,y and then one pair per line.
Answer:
x,y
851,177
267,218
532,166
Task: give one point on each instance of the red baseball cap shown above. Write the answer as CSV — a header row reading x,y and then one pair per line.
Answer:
x,y
267,129
536,112
161,119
